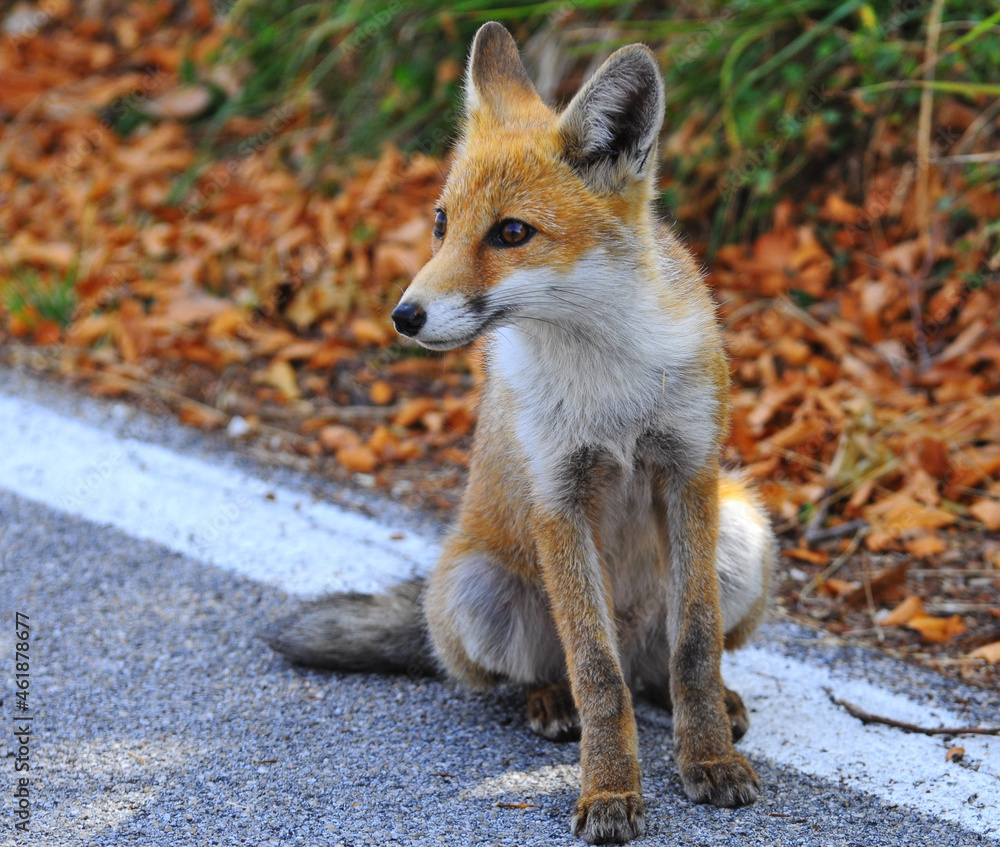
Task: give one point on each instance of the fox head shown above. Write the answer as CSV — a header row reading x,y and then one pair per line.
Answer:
x,y
532,193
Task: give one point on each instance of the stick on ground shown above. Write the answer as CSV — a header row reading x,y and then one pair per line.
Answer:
x,y
868,717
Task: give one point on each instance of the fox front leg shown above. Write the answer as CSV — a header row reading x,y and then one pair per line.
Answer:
x,y
687,512
610,808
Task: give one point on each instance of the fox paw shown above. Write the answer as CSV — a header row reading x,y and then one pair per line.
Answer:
x,y
723,782
739,720
606,818
552,713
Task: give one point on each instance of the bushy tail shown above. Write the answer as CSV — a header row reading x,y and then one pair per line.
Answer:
x,y
383,633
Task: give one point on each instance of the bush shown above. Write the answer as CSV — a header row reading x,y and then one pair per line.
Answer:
x,y
762,94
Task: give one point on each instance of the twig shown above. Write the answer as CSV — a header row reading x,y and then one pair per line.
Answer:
x,y
870,599
924,117
966,158
835,565
831,533
868,717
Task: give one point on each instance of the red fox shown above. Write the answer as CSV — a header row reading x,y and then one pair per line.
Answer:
x,y
599,549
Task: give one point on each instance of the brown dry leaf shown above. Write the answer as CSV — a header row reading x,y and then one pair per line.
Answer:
x,y
839,587
838,210
906,611
814,557
383,442
900,513
770,400
336,437
181,104
281,375
954,754
381,393
988,512
85,332
46,332
196,308
298,350
905,256
990,652
936,630
796,433
929,454
25,248
925,546
330,354
201,416
367,331
413,410
885,586
358,459
232,321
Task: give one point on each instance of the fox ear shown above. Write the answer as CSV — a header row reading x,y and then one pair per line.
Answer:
x,y
496,78
610,129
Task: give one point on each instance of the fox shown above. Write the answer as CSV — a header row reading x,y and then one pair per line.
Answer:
x,y
600,549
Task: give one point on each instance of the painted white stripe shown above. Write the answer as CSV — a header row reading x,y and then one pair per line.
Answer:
x,y
215,515
793,723
232,520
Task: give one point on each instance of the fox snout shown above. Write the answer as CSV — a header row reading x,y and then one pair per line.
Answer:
x,y
408,319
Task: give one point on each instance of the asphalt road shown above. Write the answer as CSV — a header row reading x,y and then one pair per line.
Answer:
x,y
161,717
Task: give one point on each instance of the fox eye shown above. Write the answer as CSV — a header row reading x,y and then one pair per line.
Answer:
x,y
440,223
512,233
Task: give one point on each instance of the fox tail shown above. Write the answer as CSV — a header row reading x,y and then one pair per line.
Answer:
x,y
381,633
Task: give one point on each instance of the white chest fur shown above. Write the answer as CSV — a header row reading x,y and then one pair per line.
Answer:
x,y
597,361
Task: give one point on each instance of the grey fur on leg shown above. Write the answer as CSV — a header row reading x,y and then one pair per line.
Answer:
x,y
381,633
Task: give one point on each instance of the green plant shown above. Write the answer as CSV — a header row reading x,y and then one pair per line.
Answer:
x,y
31,299
762,94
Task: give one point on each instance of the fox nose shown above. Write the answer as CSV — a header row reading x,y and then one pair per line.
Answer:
x,y
408,319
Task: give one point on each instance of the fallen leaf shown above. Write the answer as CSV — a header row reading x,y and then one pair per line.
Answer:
x,y
954,754
196,309
367,331
181,104
413,411
200,416
358,459
988,512
936,630
815,557
838,210
885,585
381,393
990,652
281,375
906,611
382,441
839,587
925,546
336,437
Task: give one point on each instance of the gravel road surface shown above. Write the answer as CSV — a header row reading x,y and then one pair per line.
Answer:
x,y
161,717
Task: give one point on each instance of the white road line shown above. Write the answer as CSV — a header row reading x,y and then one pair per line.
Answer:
x,y
794,724
229,519
215,515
